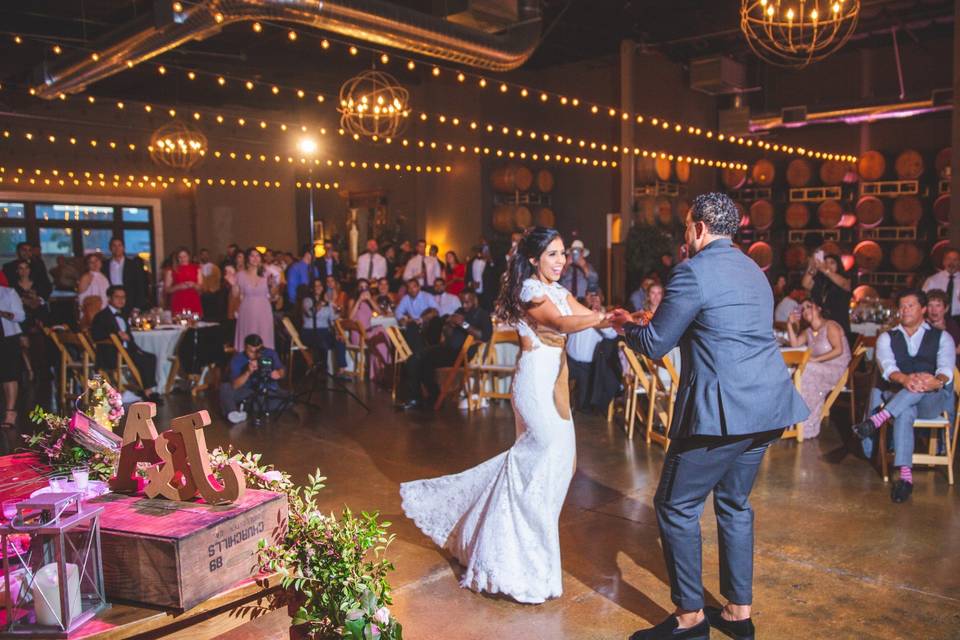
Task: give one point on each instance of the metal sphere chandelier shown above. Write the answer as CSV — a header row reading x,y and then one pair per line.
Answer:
x,y
178,145
373,105
795,33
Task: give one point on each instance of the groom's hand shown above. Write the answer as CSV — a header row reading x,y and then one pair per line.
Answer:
x,y
617,318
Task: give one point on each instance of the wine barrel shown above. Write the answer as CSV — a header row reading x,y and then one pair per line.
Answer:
x,y
763,173
733,178
650,169
664,211
510,178
865,292
544,181
681,169
795,257
744,217
908,165
868,255
833,172
906,256
942,162
941,208
761,215
872,165
681,209
504,220
830,213
797,215
907,211
936,253
762,254
546,217
522,217
799,173
869,211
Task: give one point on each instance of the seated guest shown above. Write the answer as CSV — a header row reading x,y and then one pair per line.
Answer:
x,y
594,362
249,375
11,361
939,318
113,320
318,331
829,357
916,362
301,273
447,302
385,300
365,307
421,367
414,312
639,297
789,303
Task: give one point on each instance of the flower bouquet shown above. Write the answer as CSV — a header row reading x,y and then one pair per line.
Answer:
x,y
102,403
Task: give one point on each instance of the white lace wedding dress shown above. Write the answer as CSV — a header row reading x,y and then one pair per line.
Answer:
x,y
500,519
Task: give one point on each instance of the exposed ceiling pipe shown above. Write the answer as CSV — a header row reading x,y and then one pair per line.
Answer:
x,y
172,23
852,115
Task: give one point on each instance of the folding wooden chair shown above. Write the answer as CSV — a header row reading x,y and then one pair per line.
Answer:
x,y
346,330
797,360
490,370
401,353
73,372
663,398
866,343
124,361
844,385
449,374
296,346
174,364
939,427
636,383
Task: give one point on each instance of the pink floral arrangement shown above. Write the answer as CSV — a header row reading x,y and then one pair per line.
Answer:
x,y
102,403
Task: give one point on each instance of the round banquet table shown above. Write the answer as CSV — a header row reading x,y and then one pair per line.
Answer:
x,y
162,342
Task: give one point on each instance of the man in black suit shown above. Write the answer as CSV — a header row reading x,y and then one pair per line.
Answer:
x,y
38,270
482,276
329,264
128,272
113,320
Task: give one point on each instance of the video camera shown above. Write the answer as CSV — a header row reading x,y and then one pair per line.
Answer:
x,y
260,379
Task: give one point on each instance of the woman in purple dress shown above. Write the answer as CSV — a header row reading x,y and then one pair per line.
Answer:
x,y
829,357
254,293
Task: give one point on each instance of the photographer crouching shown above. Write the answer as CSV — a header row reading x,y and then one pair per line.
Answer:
x,y
254,387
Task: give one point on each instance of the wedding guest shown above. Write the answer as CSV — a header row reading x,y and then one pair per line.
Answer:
x,y
578,274
65,274
829,286
255,297
182,283
947,281
244,382
421,368
786,306
916,362
447,303
394,267
329,264
301,274
938,319
365,306
421,267
128,272
654,298
481,276
639,297
454,273
385,299
92,289
11,360
230,257
211,287
114,320
335,294
594,362
38,270
829,357
318,317
371,266
414,312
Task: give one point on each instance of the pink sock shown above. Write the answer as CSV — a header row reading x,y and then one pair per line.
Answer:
x,y
906,474
879,418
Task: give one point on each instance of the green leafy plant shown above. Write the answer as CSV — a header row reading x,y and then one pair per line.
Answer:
x,y
645,245
336,567
59,444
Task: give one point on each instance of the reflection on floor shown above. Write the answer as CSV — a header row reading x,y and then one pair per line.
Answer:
x,y
834,557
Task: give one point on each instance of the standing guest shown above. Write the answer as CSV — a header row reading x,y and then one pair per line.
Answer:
x,y
394,267
916,362
329,264
482,276
114,320
454,273
371,266
272,269
578,274
230,257
414,312
665,268
421,267
447,303
829,286
38,270
829,357
65,274
211,285
37,314
92,289
11,361
405,253
128,272
938,319
254,296
385,300
421,367
182,283
594,362
318,316
780,290
947,280
301,273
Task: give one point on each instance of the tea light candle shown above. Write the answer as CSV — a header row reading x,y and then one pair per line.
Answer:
x,y
46,595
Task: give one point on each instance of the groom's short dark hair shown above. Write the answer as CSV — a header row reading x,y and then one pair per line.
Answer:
x,y
717,211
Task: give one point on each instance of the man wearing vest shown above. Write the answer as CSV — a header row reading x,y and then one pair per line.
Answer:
x,y
916,361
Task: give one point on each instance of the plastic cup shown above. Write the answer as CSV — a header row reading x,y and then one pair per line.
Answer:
x,y
81,478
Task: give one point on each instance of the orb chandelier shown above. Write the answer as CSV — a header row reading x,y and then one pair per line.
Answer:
x,y
795,33
178,145
373,105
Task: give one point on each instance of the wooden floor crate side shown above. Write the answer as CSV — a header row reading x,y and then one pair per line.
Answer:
x,y
140,569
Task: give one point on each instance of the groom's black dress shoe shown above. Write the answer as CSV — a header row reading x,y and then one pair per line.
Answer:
x,y
667,630
736,629
864,429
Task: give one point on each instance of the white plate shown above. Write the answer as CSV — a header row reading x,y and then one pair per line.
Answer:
x,y
94,488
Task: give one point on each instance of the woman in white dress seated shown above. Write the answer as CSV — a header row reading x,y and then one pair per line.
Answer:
x,y
500,520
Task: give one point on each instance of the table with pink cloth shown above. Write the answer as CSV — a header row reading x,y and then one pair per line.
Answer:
x,y
379,355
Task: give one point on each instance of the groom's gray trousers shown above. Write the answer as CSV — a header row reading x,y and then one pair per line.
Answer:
x,y
695,466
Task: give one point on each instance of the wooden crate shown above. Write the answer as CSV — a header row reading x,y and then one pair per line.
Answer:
x,y
178,554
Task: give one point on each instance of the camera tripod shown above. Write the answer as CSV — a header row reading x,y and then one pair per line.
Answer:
x,y
321,380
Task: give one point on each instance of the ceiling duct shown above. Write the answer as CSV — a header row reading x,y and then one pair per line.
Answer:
x,y
788,118
172,24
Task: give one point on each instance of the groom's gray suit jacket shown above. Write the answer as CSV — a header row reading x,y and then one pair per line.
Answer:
x,y
719,307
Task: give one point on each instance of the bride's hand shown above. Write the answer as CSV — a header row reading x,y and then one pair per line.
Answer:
x,y
617,318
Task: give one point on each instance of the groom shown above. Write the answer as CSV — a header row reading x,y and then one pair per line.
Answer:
x,y
735,398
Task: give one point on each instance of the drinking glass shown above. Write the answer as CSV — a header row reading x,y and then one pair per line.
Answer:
x,y
81,478
10,509
58,484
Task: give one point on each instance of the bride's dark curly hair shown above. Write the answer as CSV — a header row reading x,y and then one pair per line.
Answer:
x,y
510,309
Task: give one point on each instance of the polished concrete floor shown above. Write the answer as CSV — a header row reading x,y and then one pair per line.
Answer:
x,y
834,557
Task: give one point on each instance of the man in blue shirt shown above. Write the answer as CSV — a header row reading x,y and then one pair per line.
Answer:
x,y
301,273
247,379
414,312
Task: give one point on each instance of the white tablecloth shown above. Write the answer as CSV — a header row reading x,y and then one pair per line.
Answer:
x,y
868,329
161,343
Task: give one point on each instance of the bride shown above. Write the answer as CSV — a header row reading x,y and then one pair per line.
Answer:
x,y
501,519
